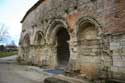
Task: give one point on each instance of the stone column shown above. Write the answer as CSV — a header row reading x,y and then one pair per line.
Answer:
x,y
52,60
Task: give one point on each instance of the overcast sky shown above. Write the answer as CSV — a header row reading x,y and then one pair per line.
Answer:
x,y
11,13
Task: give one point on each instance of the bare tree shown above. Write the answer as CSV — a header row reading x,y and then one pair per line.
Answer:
x,y
4,35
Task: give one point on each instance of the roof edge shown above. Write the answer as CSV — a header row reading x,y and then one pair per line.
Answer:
x,y
31,9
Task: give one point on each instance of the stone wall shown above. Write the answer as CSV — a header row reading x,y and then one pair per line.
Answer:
x,y
117,47
88,22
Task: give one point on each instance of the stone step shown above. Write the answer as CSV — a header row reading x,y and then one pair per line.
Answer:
x,y
116,81
63,79
55,80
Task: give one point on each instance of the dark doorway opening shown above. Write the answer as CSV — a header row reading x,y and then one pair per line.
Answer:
x,y
63,52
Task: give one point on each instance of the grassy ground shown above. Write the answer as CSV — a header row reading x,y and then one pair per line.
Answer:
x,y
5,54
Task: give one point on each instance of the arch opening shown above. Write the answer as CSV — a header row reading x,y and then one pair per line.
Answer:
x,y
26,40
38,38
88,39
87,31
25,46
63,52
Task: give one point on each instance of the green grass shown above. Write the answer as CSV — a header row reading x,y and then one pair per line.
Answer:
x,y
5,54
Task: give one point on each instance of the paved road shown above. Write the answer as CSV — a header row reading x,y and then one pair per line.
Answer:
x,y
8,72
7,75
11,72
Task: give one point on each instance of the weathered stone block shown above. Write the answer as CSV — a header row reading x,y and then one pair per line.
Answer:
x,y
114,45
123,76
114,69
89,59
121,69
55,80
73,65
117,61
117,75
123,60
89,70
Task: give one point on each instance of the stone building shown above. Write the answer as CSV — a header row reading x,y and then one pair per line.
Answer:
x,y
78,35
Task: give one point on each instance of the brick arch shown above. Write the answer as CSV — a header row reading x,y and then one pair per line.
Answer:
x,y
39,38
53,28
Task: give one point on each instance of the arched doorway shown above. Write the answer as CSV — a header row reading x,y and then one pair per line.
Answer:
x,y
57,38
63,52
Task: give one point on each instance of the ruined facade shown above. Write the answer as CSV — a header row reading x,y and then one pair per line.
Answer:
x,y
84,35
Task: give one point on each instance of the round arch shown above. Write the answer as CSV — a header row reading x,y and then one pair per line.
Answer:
x,y
52,28
83,21
90,44
26,40
39,38
58,36
89,36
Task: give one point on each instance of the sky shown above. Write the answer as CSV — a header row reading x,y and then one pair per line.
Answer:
x,y
11,13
